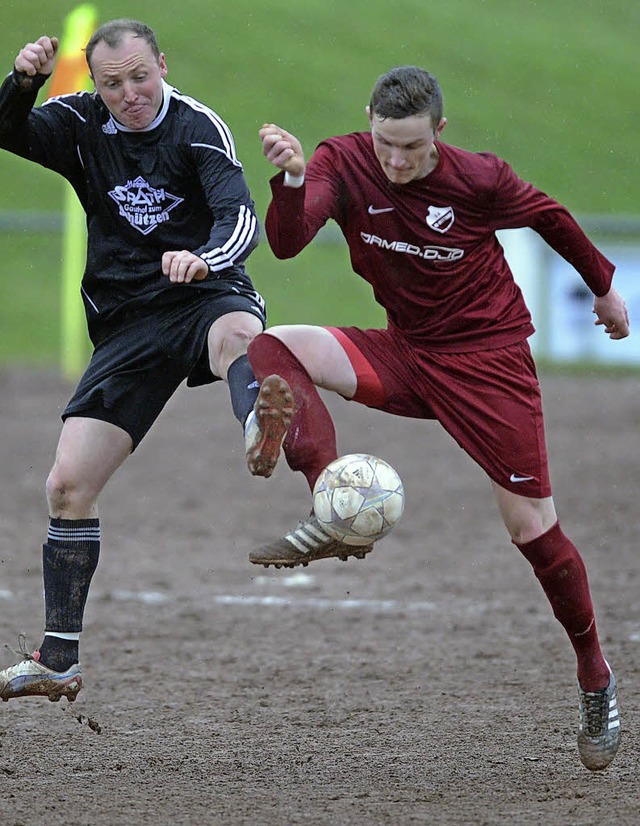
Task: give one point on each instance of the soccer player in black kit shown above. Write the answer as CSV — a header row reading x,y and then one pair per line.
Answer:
x,y
170,223
419,217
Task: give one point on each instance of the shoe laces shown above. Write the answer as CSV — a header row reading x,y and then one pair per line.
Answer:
x,y
22,653
596,711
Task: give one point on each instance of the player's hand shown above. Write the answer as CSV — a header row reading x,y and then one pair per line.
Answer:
x,y
37,58
611,313
282,149
183,266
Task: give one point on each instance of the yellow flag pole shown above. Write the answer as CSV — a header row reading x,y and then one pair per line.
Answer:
x,y
74,340
72,75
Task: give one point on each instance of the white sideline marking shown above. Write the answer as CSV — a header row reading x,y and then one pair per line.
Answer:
x,y
148,597
297,580
318,602
156,598
5,594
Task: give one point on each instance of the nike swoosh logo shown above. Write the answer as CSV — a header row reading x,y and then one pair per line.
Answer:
x,y
515,478
373,211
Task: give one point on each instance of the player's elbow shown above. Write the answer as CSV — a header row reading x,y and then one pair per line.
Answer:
x,y
283,254
282,248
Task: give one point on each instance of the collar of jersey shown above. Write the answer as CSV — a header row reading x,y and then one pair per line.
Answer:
x,y
166,100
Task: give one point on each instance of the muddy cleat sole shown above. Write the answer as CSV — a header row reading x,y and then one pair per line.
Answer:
x,y
306,543
29,678
599,731
268,424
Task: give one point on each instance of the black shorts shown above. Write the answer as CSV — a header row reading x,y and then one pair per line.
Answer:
x,y
140,360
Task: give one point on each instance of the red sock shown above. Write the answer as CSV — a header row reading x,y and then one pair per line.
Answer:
x,y
559,567
310,443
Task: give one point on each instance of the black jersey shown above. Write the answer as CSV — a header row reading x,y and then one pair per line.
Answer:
x,y
175,185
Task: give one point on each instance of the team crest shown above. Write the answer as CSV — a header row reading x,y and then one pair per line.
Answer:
x,y
440,218
143,206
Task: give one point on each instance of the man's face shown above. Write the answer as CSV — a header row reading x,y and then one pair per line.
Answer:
x,y
129,80
405,147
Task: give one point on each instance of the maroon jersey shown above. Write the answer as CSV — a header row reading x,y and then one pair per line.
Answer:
x,y
428,248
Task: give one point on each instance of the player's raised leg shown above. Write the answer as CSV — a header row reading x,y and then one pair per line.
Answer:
x,y
264,411
304,356
89,451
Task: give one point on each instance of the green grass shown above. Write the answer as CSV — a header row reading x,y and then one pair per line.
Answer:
x,y
30,306
315,288
548,84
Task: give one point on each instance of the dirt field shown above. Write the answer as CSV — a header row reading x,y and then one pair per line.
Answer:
x,y
428,684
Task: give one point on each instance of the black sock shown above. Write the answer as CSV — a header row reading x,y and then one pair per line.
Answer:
x,y
69,559
57,653
243,388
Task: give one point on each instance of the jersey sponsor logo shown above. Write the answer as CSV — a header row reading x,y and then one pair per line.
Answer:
x,y
144,206
373,211
440,218
428,252
516,477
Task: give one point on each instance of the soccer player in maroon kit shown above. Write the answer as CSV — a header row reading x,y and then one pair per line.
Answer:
x,y
420,219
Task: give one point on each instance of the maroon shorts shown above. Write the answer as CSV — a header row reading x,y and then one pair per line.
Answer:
x,y
489,401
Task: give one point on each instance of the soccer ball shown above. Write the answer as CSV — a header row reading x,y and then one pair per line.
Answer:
x,y
358,498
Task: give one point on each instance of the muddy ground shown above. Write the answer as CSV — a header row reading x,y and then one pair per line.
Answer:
x,y
427,684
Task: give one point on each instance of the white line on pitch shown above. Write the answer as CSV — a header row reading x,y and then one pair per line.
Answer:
x,y
317,602
155,598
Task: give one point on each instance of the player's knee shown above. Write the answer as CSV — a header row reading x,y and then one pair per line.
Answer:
x,y
525,518
238,339
66,494
529,526
228,345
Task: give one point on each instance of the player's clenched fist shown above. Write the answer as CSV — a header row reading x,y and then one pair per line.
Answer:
x,y
282,149
183,266
39,57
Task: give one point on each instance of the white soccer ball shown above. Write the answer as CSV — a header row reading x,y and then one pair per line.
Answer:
x,y
358,498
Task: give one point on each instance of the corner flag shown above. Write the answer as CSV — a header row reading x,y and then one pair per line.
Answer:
x,y
72,75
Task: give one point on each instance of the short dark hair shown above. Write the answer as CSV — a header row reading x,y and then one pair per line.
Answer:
x,y
405,91
113,32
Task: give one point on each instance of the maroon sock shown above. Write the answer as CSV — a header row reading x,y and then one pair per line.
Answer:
x,y
559,567
310,443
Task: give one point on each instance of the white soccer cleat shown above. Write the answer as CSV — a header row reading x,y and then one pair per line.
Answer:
x,y
29,678
306,543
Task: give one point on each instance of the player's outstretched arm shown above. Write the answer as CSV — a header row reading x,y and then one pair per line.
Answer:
x,y
282,149
611,312
37,58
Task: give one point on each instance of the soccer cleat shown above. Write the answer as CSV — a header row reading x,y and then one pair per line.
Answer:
x,y
29,678
599,732
267,425
308,542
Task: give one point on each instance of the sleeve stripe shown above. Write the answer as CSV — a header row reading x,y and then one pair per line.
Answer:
x,y
61,102
221,127
222,257
217,149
